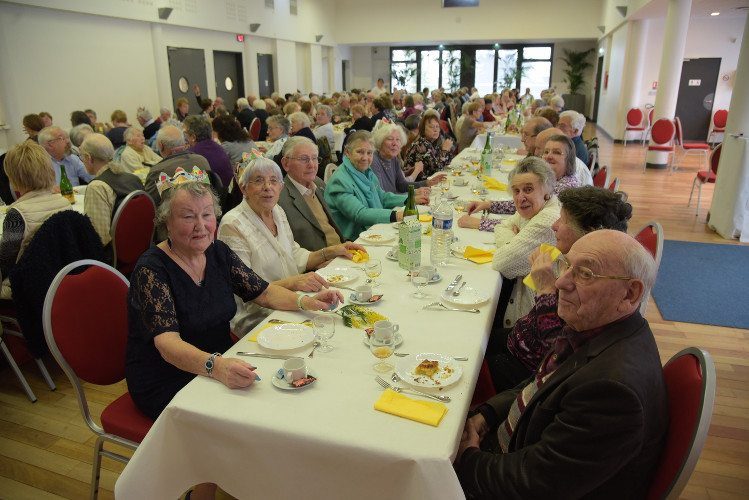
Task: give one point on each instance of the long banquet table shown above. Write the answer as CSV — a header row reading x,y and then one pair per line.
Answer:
x,y
327,440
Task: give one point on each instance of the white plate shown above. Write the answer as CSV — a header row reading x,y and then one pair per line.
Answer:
x,y
398,339
391,256
286,336
352,300
468,296
449,372
282,384
376,237
338,275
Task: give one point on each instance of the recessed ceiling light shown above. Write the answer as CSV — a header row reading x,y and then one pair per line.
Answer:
x,y
715,13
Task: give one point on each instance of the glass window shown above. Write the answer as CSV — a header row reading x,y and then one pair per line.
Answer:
x,y
507,67
403,77
404,55
451,70
430,69
537,53
536,76
484,76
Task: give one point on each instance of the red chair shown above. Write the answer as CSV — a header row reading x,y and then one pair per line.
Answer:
x,y
662,135
484,386
255,129
634,123
614,186
720,118
601,179
706,176
132,230
91,347
690,381
651,237
701,148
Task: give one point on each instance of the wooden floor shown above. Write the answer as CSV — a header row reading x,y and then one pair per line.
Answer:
x,y
45,449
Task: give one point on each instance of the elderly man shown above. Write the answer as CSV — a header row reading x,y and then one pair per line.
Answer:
x,y
572,123
199,134
302,197
55,141
172,147
592,420
148,122
323,127
245,115
530,131
342,110
582,172
136,154
111,185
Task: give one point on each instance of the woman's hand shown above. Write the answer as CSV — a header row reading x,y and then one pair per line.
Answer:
x,y
343,250
478,206
233,373
418,168
262,149
447,145
469,222
308,282
423,191
422,200
326,300
436,179
542,272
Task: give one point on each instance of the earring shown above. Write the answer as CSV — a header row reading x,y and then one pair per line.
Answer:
x,y
547,197
169,242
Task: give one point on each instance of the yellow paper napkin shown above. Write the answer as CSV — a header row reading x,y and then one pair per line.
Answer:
x,y
477,255
509,162
492,183
553,252
426,412
359,256
425,218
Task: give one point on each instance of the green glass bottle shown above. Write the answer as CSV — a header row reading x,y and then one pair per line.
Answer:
x,y
410,212
66,188
486,156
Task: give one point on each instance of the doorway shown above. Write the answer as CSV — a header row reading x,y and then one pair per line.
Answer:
x,y
344,74
186,68
699,78
265,74
229,77
597,90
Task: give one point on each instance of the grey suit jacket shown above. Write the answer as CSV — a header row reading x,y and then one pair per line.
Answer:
x,y
304,225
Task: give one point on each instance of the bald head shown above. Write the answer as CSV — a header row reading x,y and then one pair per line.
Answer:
x,y
169,140
542,137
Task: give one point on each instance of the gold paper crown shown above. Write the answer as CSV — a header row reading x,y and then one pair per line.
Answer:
x,y
246,159
165,182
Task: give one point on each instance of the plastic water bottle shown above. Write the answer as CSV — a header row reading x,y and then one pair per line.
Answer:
x,y
442,234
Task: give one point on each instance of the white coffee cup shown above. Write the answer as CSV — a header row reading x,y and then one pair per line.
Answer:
x,y
384,329
294,369
429,272
363,293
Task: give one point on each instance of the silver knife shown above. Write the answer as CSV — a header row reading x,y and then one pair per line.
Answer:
x,y
455,282
260,355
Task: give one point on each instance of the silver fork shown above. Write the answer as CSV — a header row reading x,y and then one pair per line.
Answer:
x,y
443,306
384,383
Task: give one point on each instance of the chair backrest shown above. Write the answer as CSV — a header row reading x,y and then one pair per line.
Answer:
x,y
614,186
593,159
88,346
634,117
255,129
715,158
678,133
720,118
651,237
663,131
601,179
690,381
132,229
650,116
329,169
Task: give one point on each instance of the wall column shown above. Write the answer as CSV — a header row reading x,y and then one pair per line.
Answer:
x,y
630,96
669,76
161,63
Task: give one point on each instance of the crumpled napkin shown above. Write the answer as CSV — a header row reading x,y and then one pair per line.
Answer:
x,y
492,183
426,412
425,218
477,255
359,256
553,252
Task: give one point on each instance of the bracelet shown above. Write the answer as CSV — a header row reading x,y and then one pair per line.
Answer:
x,y
299,302
322,251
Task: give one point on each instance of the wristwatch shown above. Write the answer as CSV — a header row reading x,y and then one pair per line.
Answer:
x,y
209,363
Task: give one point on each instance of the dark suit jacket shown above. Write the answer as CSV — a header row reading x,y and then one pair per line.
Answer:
x,y
151,129
245,118
595,429
307,231
262,115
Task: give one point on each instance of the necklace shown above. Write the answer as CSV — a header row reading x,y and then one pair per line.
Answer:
x,y
199,281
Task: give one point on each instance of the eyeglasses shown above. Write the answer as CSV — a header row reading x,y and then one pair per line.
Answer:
x,y
581,275
259,182
61,138
305,159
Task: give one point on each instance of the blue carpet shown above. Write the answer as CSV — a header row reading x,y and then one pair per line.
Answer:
x,y
704,283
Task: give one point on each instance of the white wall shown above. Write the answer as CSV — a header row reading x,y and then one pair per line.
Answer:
x,y
361,67
284,65
558,67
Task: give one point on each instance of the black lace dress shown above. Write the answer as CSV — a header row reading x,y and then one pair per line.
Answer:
x,y
164,298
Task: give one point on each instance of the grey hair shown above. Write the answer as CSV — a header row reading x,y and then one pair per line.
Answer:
x,y
383,131
299,117
281,121
128,134
324,108
576,119
196,189
143,114
535,165
258,104
98,147
570,163
45,134
199,127
557,101
169,142
243,103
639,263
294,142
260,165
77,133
164,110
358,136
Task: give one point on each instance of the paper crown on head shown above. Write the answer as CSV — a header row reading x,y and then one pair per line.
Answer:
x,y
246,159
180,176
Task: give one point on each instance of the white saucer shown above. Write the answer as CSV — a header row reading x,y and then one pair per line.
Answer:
x,y
398,339
283,385
363,302
391,256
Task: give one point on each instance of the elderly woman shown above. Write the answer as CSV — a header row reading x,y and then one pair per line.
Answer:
x,y
361,121
119,124
300,126
428,148
409,104
559,153
235,141
278,132
199,134
181,301
136,154
29,169
513,354
468,126
323,127
386,163
532,186
383,106
183,108
354,195
259,232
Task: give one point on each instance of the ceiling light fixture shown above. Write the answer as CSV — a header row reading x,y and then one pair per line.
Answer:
x,y
715,13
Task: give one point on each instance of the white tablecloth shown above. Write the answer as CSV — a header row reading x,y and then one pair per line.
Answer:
x,y
326,440
511,141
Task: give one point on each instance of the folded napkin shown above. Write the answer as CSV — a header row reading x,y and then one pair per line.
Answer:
x,y
509,162
492,183
425,218
426,412
553,252
477,255
359,256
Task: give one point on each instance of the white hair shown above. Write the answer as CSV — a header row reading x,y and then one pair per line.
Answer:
x,y
577,120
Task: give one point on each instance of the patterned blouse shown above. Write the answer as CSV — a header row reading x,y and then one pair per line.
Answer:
x,y
432,156
533,334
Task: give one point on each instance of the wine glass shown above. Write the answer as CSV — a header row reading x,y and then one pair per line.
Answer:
x,y
382,348
419,280
460,206
373,268
446,185
324,327
476,188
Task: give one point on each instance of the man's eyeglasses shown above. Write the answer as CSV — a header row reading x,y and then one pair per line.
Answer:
x,y
581,275
305,159
260,182
61,138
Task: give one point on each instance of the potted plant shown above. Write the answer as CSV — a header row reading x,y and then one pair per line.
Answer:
x,y
577,63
